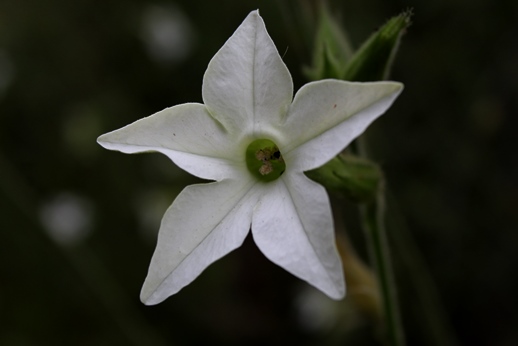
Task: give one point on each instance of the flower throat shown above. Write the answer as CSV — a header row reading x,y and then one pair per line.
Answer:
x,y
264,160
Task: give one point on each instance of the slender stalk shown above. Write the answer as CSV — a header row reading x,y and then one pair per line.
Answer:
x,y
373,220
436,325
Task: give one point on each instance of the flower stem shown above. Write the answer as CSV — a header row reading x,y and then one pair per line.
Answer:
x,y
373,220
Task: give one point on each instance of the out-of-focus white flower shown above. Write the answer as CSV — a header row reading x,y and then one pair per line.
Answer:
x,y
166,33
67,218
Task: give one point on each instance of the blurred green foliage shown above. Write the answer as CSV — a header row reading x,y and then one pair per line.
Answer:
x,y
78,223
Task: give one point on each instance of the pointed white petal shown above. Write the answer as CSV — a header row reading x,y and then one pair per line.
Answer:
x,y
327,115
247,85
188,135
292,225
204,223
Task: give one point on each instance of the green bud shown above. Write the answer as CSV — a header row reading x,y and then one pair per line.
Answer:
x,y
373,61
353,177
332,49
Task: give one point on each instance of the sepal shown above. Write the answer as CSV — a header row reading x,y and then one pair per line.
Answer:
x,y
355,178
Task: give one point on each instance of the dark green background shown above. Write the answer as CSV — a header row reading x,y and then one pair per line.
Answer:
x,y
71,70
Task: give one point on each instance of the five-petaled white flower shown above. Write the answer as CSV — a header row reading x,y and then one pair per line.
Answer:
x,y
255,143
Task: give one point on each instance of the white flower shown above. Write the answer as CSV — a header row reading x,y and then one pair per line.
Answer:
x,y
255,143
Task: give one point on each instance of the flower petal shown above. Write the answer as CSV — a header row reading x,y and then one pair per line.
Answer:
x,y
327,115
203,224
188,135
292,225
247,86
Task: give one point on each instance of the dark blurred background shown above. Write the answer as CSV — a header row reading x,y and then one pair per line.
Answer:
x,y
78,223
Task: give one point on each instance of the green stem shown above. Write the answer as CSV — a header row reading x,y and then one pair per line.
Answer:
x,y
435,323
373,219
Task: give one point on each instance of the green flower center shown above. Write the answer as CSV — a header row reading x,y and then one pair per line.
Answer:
x,y
264,160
